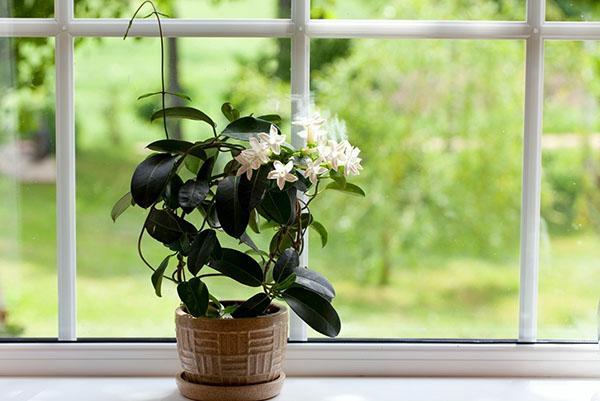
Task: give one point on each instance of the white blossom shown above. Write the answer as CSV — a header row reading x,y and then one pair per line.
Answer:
x,y
334,153
272,140
282,173
352,163
312,131
251,159
314,170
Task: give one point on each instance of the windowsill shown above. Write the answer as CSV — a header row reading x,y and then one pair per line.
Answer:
x,y
314,389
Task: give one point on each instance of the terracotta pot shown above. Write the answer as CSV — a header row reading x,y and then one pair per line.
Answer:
x,y
231,352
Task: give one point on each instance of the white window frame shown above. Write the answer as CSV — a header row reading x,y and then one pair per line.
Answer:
x,y
524,357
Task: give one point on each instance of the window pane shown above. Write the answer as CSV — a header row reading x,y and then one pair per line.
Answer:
x,y
26,9
572,10
188,8
115,295
506,10
433,250
28,295
570,236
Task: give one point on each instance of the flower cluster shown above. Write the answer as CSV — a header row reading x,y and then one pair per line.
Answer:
x,y
320,155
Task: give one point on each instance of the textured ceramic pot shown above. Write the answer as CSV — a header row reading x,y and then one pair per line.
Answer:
x,y
232,352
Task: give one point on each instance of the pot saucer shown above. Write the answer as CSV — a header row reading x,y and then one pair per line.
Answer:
x,y
249,392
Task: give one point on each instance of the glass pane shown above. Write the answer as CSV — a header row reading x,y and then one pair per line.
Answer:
x,y
572,10
115,295
570,236
26,8
505,10
187,8
433,250
28,297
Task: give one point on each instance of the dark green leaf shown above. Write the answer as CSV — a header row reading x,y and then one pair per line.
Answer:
x,y
230,112
286,283
232,206
205,172
121,205
171,194
285,265
245,239
279,206
315,310
315,282
194,295
192,193
166,227
157,276
182,245
272,118
253,222
254,306
205,246
150,178
181,95
256,187
340,179
179,147
321,230
246,127
280,242
239,266
348,188
188,113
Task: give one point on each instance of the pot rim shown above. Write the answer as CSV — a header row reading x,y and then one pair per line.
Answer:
x,y
281,310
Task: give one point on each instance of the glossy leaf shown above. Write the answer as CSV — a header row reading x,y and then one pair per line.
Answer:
x,y
204,247
194,295
205,172
279,206
348,188
315,310
280,242
121,205
180,95
232,206
246,127
188,113
256,187
239,266
167,227
272,118
192,193
254,306
285,265
314,281
150,178
321,230
286,283
157,276
253,222
245,239
179,147
230,112
171,194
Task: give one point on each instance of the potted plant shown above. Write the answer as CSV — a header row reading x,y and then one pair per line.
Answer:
x,y
236,183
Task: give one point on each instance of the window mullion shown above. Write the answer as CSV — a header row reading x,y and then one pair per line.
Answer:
x,y
65,174
300,86
532,171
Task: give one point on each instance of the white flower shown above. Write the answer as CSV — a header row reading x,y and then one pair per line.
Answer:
x,y
273,140
251,159
352,164
281,173
314,170
334,153
312,131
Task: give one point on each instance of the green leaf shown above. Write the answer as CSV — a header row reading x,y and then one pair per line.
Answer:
x,y
230,112
205,172
192,193
188,113
245,239
246,127
279,246
272,118
315,310
180,147
192,164
194,295
228,310
121,205
205,246
321,230
239,266
254,306
279,206
166,227
150,178
314,281
180,95
285,265
285,284
171,194
157,276
232,206
348,188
